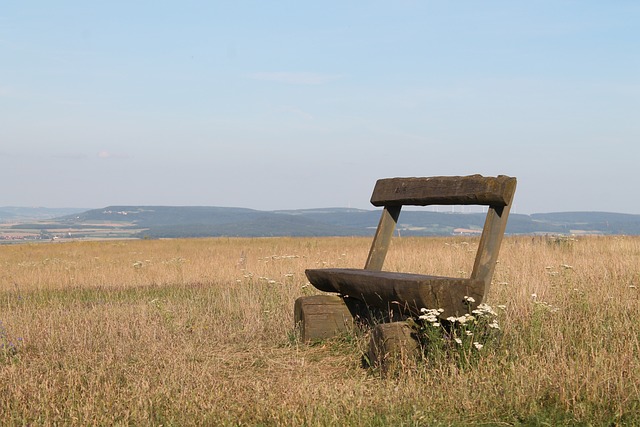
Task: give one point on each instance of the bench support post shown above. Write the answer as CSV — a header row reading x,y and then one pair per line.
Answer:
x,y
382,239
322,316
392,344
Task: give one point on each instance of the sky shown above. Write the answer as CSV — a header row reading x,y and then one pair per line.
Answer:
x,y
292,104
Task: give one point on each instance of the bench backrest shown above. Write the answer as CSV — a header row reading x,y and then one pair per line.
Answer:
x,y
494,192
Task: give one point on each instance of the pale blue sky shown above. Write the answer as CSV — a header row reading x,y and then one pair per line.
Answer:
x,y
279,105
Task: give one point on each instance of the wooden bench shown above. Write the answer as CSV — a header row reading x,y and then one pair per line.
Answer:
x,y
404,294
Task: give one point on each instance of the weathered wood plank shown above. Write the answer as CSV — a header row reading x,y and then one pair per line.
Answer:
x,y
444,190
382,239
491,240
322,316
404,292
391,344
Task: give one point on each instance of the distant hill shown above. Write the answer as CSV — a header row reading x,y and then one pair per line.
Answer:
x,y
209,221
199,221
599,222
11,213
205,221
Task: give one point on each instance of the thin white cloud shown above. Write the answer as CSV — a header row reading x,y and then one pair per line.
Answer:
x,y
294,78
104,154
297,112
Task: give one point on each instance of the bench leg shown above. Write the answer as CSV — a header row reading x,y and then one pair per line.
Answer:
x,y
392,343
322,316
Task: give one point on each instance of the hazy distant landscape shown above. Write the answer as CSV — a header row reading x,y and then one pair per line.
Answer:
x,y
137,222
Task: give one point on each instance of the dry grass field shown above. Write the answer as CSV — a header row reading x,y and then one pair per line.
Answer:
x,y
200,332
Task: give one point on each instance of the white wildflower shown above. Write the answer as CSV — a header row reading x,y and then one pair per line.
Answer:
x,y
477,345
458,340
430,314
466,318
469,300
431,311
486,309
429,318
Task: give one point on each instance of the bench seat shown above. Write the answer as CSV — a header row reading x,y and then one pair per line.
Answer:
x,y
408,291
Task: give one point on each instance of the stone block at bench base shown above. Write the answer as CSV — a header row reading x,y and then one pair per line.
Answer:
x,y
322,316
392,343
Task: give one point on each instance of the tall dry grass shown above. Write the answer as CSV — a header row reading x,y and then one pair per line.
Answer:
x,y
200,332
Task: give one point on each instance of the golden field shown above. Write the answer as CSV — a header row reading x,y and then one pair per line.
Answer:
x,y
200,332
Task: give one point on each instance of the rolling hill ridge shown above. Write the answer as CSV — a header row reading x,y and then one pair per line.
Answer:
x,y
169,221
211,221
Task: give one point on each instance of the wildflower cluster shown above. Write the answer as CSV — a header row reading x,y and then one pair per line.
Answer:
x,y
8,348
460,338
